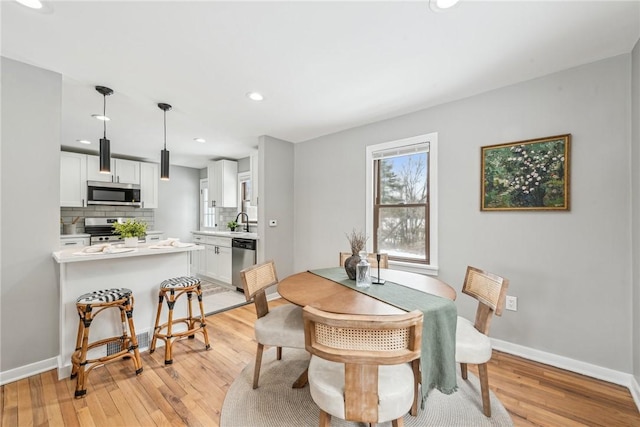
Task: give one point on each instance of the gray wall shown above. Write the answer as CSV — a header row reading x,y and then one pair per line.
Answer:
x,y
179,203
635,197
275,192
30,210
561,264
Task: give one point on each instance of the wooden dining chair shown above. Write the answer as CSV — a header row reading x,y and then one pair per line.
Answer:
x,y
473,344
279,327
358,369
373,261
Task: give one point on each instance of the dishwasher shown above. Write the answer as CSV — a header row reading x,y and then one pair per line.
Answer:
x,y
243,255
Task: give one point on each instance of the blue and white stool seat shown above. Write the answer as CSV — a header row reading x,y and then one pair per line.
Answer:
x,y
180,282
104,296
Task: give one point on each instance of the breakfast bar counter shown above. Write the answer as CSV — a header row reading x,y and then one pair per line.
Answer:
x,y
141,269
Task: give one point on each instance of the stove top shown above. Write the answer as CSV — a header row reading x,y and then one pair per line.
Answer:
x,y
101,229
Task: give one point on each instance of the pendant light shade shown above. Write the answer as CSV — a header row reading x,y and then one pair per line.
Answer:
x,y
164,153
105,144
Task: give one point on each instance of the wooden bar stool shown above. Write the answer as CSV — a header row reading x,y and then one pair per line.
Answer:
x,y
172,289
89,306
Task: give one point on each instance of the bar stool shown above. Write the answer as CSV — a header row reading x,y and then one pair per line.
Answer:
x,y
172,289
89,306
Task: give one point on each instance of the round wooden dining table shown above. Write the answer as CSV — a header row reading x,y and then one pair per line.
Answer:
x,y
310,289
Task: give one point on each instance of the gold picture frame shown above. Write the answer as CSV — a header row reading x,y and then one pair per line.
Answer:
x,y
526,175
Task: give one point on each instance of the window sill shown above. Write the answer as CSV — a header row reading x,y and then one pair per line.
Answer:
x,y
429,270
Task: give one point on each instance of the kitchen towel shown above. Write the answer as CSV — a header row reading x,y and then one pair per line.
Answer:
x,y
171,242
103,249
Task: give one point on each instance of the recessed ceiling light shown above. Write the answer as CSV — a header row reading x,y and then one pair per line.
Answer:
x,y
199,140
101,117
33,4
440,5
83,141
255,96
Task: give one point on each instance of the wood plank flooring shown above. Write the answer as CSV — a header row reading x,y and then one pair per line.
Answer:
x,y
191,391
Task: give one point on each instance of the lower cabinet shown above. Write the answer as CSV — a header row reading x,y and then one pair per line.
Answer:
x,y
66,242
215,261
153,238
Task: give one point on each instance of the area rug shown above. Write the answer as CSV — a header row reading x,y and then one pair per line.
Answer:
x,y
274,403
217,298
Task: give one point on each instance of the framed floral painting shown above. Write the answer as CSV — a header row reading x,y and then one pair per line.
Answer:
x,y
526,175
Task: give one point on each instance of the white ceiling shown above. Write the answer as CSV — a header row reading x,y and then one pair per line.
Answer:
x,y
322,66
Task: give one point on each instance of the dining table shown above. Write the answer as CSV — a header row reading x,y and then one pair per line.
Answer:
x,y
330,290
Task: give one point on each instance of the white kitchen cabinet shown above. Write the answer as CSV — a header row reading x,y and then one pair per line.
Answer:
x,y
93,170
73,179
153,237
123,171
253,161
149,176
67,242
223,183
215,261
198,258
218,258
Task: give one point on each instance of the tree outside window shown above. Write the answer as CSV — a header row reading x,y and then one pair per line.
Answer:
x,y
401,207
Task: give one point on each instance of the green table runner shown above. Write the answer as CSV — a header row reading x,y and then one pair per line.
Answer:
x,y
437,360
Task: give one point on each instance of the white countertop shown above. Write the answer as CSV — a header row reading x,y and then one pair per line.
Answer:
x,y
239,234
74,236
76,254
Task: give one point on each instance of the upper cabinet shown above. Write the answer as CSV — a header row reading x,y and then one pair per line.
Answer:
x,y
149,176
223,183
73,179
123,171
254,178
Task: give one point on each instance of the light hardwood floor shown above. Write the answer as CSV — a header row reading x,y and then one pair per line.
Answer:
x,y
191,391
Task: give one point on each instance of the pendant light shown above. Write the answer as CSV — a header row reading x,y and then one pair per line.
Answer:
x,y
105,144
164,153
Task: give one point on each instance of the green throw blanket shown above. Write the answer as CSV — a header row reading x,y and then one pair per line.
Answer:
x,y
437,362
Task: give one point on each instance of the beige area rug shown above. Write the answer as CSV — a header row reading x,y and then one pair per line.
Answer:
x,y
275,403
217,298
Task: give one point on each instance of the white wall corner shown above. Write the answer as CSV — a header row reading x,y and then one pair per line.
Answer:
x,y
588,369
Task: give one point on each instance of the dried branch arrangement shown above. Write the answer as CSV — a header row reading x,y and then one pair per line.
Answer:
x,y
357,240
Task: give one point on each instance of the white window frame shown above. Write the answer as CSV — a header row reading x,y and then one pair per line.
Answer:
x,y
432,138
204,185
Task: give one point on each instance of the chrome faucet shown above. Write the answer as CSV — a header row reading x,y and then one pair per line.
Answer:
x,y
246,224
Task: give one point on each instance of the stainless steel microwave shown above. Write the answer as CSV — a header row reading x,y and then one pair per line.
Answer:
x,y
113,193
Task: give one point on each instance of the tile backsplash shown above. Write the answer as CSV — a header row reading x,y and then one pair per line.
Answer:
x,y
68,214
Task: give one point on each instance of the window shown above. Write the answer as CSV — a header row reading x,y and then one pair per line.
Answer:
x,y
401,201
244,198
207,213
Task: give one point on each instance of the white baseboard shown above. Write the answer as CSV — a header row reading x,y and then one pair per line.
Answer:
x,y
588,369
635,392
26,371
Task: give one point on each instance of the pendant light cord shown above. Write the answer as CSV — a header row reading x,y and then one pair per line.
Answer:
x,y
104,113
165,129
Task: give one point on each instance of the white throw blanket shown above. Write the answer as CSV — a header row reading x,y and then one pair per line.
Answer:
x,y
169,243
105,248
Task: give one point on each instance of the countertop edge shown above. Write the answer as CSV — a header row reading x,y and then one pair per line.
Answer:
x,y
67,255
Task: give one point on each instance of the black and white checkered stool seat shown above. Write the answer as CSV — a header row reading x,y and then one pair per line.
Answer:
x,y
180,282
105,295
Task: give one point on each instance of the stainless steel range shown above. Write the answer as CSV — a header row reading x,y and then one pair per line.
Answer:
x,y
101,229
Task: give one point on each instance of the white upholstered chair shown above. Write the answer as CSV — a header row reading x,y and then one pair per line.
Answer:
x,y
280,327
473,344
359,368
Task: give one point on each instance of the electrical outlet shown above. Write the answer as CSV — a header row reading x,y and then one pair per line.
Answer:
x,y
512,303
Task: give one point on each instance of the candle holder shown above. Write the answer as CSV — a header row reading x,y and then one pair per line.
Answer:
x,y
377,280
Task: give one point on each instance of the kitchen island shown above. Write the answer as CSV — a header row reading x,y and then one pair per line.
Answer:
x,y
140,269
